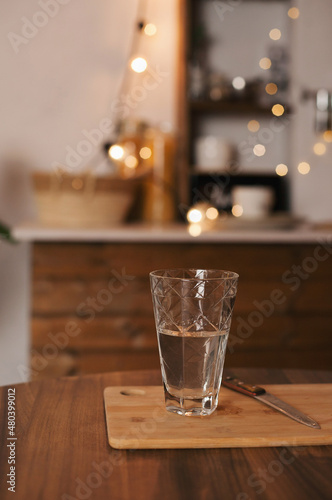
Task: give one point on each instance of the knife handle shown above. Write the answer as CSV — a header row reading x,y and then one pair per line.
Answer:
x,y
239,386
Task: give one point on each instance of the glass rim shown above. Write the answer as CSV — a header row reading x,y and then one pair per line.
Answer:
x,y
223,272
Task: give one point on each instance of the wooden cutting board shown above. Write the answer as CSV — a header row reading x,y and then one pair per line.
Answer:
x,y
136,419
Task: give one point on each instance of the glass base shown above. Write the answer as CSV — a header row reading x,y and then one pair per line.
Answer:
x,y
191,407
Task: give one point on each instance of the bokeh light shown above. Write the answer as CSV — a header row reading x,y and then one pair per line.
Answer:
x,y
116,152
319,149
237,210
278,110
145,153
131,161
259,150
281,169
150,29
293,12
327,136
238,83
253,126
271,88
194,229
194,215
265,63
275,34
212,213
303,168
139,64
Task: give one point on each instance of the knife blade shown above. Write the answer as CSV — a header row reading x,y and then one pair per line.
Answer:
x,y
260,394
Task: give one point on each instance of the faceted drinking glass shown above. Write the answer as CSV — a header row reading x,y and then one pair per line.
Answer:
x,y
193,311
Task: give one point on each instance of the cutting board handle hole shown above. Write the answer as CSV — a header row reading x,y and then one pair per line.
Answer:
x,y
133,392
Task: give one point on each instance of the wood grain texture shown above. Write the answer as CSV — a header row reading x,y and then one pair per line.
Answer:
x,y
62,451
238,421
293,331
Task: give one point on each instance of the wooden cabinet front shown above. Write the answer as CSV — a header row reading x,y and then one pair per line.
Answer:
x,y
92,309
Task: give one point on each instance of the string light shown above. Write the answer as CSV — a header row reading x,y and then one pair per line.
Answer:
x,y
237,210
271,88
278,110
194,229
293,13
139,64
265,63
131,161
145,153
239,83
303,168
116,152
281,169
327,136
202,214
259,150
150,29
275,34
319,149
253,126
212,213
194,215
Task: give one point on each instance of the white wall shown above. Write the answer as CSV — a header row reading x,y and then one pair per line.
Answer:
x,y
58,80
312,70
65,79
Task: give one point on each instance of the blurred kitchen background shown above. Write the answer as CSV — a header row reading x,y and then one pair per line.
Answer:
x,y
131,128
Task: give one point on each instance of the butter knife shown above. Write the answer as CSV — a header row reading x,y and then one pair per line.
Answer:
x,y
260,394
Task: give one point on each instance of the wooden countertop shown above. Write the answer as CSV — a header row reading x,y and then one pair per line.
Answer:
x,y
62,452
176,233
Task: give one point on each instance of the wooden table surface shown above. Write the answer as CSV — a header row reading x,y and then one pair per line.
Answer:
x,y
61,451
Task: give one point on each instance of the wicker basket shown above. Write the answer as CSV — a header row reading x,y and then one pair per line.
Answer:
x,y
82,201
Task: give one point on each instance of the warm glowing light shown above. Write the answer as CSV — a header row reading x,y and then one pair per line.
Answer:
x,y
259,150
138,64
238,83
265,63
278,110
194,215
150,29
281,169
319,149
293,13
116,152
212,213
77,183
275,34
327,136
194,230
145,153
253,126
131,161
303,168
271,88
237,210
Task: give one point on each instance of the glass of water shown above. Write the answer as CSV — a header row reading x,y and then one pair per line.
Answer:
x,y
193,311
